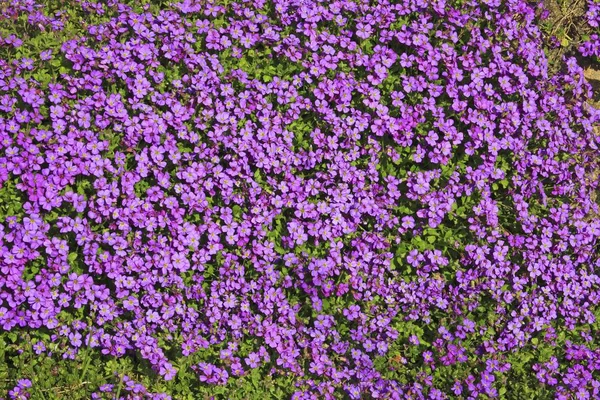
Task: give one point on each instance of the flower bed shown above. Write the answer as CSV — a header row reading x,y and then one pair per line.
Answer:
x,y
278,199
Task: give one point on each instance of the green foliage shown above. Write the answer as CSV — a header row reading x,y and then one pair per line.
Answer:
x,y
11,200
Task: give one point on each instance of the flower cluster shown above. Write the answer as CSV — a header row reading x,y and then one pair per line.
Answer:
x,y
131,389
591,47
21,390
359,195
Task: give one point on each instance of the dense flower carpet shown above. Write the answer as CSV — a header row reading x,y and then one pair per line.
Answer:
x,y
296,199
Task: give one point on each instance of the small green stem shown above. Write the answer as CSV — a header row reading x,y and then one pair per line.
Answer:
x,y
119,388
85,367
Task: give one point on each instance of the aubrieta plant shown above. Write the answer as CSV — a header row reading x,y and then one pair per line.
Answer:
x,y
591,48
295,199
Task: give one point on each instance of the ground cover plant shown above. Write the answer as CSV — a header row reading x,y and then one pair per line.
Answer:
x,y
297,199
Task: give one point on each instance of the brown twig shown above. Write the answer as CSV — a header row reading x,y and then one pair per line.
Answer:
x,y
66,389
573,9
